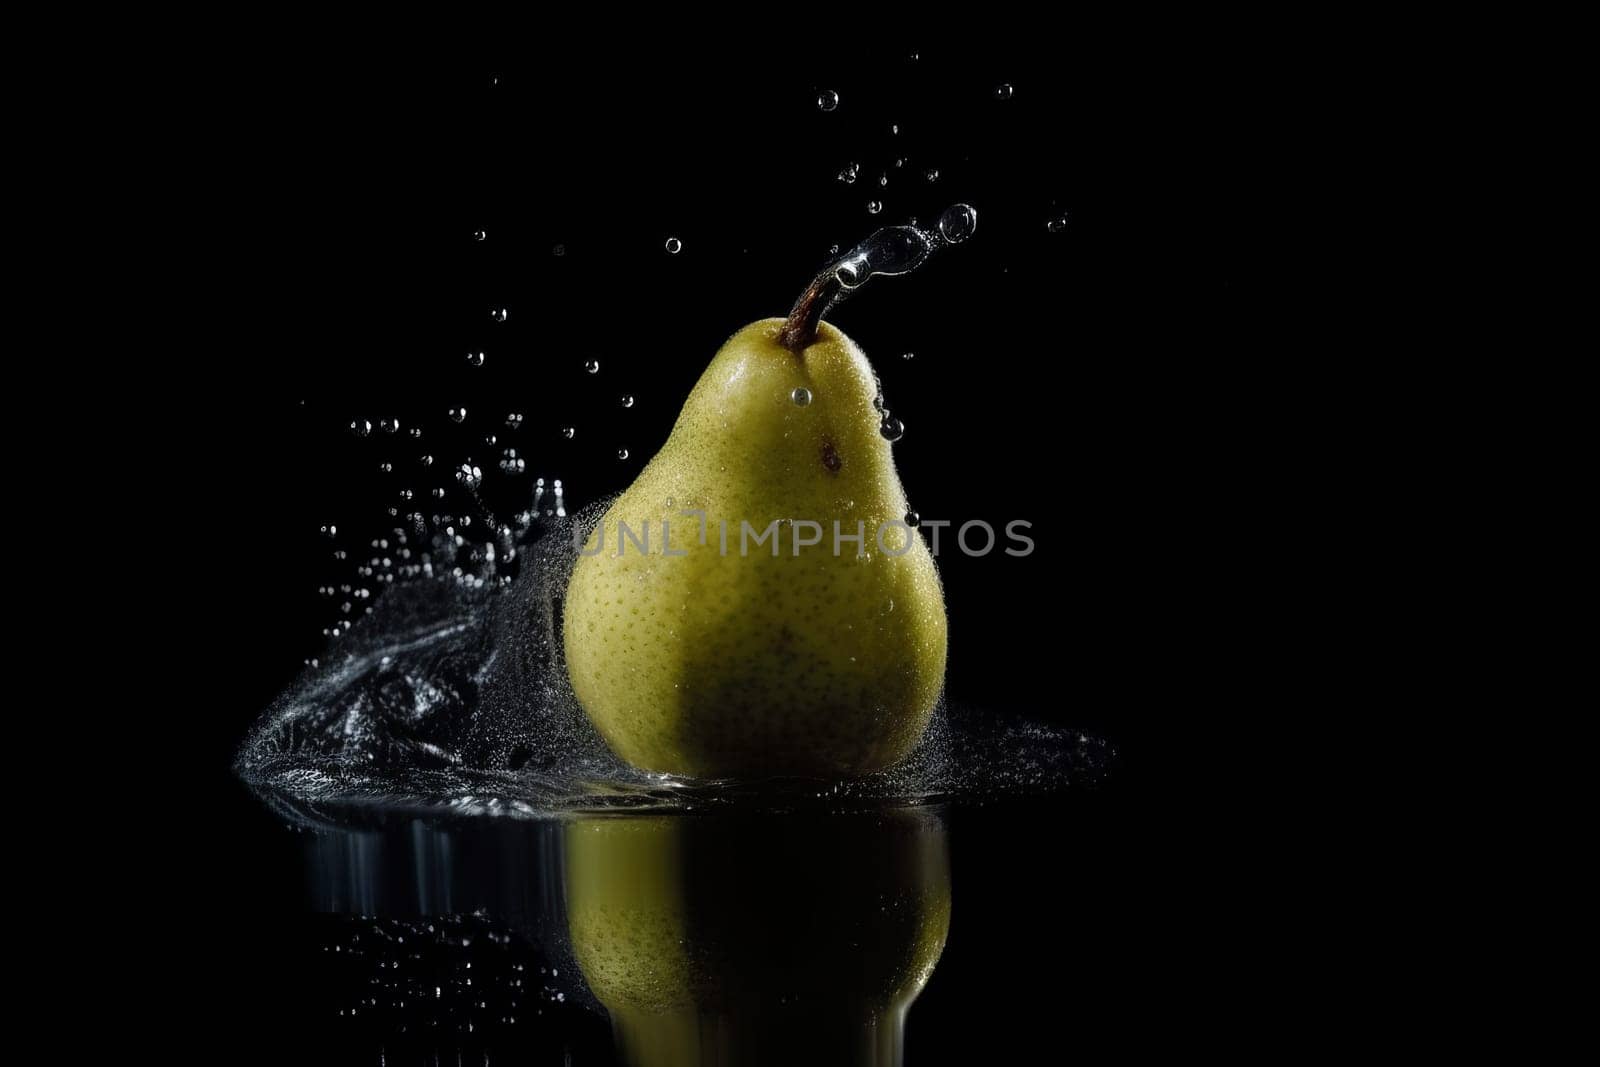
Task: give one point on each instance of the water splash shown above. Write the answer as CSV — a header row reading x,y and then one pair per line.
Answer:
x,y
902,249
450,692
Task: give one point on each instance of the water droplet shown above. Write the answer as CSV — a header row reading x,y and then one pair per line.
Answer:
x,y
883,179
479,235
514,420
499,315
438,492
405,494
627,401
386,467
913,520
1003,91
674,246
593,366
330,531
932,174
894,131
622,453
458,414
426,461
1057,225
416,432
899,163
360,427
801,396
827,100
891,428
475,358
913,57
568,431
389,425
469,476
490,439
559,250
849,173
874,206
958,222
908,355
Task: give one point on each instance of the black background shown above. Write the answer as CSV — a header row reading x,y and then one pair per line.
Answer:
x,y
1105,382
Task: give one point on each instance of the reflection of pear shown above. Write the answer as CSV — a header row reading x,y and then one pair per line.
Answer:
x,y
792,939
825,658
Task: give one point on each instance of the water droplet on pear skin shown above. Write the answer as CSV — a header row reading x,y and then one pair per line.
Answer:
x,y
801,396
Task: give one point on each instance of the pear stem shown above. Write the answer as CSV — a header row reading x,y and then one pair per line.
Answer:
x,y
800,331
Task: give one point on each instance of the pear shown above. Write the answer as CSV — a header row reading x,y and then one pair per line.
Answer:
x,y
703,640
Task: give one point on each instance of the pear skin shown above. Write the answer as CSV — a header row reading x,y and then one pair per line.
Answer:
x,y
710,653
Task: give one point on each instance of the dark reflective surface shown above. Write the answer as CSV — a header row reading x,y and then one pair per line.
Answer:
x,y
873,936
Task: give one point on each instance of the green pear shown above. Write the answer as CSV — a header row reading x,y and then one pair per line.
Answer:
x,y
704,641
758,939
